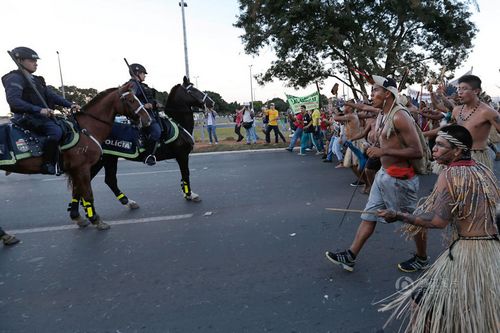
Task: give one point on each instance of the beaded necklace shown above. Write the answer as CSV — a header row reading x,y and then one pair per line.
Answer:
x,y
470,114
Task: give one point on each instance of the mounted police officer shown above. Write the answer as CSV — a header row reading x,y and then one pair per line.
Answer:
x,y
29,109
146,96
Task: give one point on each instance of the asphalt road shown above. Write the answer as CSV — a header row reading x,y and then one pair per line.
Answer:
x,y
248,258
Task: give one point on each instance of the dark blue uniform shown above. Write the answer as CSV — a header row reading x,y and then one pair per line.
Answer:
x,y
24,102
153,132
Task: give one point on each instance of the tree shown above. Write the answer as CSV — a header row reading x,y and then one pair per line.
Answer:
x,y
378,37
221,106
77,95
279,104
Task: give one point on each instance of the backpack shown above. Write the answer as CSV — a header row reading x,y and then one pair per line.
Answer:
x,y
422,166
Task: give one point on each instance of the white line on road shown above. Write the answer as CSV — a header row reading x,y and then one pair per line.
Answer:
x,y
117,222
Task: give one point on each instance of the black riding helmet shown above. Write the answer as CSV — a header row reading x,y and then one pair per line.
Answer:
x,y
22,52
138,68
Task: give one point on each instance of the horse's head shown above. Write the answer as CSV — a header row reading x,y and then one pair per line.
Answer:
x,y
132,107
197,97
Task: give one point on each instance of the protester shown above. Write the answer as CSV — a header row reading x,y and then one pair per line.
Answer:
x,y
211,125
478,117
299,128
353,158
460,291
249,125
273,117
238,121
396,184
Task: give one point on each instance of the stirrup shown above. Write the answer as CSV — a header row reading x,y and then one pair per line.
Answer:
x,y
146,161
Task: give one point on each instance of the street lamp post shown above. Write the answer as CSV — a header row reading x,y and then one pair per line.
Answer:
x,y
183,4
251,87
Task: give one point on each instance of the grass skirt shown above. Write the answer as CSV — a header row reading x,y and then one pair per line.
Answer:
x,y
460,295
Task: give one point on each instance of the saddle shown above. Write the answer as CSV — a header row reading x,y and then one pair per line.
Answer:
x,y
17,143
128,141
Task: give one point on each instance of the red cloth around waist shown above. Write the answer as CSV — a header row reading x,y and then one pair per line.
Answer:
x,y
400,172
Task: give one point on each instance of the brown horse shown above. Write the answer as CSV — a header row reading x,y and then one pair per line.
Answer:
x,y
94,122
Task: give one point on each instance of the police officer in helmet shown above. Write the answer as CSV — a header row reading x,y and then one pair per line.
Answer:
x,y
27,107
146,96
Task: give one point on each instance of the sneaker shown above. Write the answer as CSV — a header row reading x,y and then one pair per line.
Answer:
x,y
9,240
343,259
357,183
414,264
301,154
308,149
289,149
327,161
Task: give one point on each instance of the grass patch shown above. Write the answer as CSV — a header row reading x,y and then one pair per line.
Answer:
x,y
227,141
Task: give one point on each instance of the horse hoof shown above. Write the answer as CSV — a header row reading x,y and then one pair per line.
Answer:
x,y
80,222
194,197
102,226
132,204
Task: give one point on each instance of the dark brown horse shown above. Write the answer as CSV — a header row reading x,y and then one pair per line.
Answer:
x,y
94,122
181,99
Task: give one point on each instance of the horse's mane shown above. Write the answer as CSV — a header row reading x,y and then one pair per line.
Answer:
x,y
171,95
98,98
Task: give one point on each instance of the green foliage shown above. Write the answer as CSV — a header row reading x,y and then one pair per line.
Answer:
x,y
161,96
221,106
279,104
77,95
316,39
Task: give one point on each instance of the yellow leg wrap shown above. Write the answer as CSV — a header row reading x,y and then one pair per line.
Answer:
x,y
89,208
120,196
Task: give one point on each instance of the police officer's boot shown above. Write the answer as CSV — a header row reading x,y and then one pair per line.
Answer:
x,y
50,157
150,153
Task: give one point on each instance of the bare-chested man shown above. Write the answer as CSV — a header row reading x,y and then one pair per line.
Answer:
x,y
352,130
369,133
476,116
396,183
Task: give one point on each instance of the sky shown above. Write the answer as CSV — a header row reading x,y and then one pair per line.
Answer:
x,y
93,37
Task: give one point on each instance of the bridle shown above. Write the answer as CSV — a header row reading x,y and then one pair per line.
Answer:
x,y
190,92
139,108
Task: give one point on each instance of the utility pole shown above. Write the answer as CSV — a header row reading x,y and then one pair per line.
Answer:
x,y
183,4
251,87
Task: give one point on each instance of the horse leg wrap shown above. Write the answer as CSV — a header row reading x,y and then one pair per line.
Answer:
x,y
73,209
122,198
186,189
89,210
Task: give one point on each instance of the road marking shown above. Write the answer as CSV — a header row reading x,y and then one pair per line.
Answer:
x,y
120,174
117,222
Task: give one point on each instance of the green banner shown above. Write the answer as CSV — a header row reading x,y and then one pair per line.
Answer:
x,y
310,101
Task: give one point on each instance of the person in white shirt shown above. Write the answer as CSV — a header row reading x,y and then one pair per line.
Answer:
x,y
211,125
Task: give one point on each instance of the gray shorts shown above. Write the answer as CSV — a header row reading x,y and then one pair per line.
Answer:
x,y
391,193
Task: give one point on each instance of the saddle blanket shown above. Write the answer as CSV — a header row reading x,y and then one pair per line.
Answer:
x,y
17,143
127,141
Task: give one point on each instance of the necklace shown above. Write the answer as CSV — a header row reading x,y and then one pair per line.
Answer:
x,y
470,114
